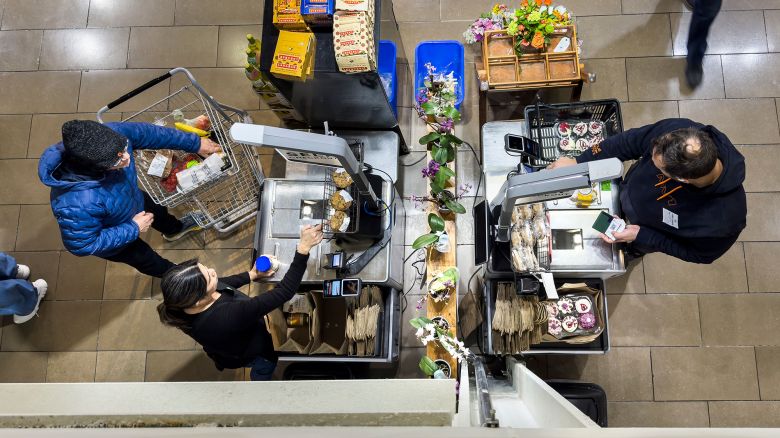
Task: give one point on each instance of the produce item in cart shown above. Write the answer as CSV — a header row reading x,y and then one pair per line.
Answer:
x,y
161,164
570,323
201,122
563,129
339,222
580,129
341,200
595,127
341,178
189,129
567,144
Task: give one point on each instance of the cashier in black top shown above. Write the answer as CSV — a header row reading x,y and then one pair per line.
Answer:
x,y
227,323
684,195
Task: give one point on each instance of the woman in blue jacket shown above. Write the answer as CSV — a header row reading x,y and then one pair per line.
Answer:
x,y
95,196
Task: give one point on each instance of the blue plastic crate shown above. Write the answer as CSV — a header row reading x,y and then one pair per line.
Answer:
x,y
446,56
387,71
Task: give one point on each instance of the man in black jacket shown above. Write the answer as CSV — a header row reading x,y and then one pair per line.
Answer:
x,y
684,195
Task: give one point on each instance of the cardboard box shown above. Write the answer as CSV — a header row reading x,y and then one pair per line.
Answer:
x,y
294,56
355,5
318,13
287,15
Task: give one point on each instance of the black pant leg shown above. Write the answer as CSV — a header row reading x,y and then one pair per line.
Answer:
x,y
704,13
143,258
164,222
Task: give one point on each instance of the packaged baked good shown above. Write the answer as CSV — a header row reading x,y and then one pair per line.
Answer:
x,y
341,178
341,200
339,222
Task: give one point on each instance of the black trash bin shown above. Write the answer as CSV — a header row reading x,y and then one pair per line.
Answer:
x,y
587,397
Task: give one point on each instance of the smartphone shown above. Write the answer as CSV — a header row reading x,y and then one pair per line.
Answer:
x,y
331,288
348,287
528,148
607,224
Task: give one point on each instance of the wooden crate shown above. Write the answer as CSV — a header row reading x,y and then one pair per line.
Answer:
x,y
535,69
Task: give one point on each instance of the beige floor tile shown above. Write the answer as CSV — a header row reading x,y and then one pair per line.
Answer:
x,y
38,230
637,114
652,6
233,43
168,47
624,373
23,367
760,163
80,278
45,14
120,13
135,325
762,222
37,92
47,129
610,79
658,414
71,367
768,373
665,274
645,320
120,366
410,179
744,414
122,282
16,133
761,268
185,366
241,238
736,5
43,265
265,117
99,87
60,326
732,32
664,79
76,49
772,20
751,75
468,171
719,373
739,319
408,363
629,36
221,83
22,184
21,49
762,129
412,10
229,12
9,217
632,282
582,8
413,33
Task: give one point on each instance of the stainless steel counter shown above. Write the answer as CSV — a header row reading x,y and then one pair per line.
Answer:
x,y
595,258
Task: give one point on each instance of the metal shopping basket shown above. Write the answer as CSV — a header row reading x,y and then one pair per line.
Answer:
x,y
225,199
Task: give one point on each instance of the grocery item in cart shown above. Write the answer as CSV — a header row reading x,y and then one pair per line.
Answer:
x,y
341,200
200,173
161,164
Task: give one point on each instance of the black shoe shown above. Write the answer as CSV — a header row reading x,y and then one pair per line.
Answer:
x,y
189,224
694,75
690,4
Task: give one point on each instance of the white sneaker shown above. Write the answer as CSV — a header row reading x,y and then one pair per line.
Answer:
x,y
22,272
41,287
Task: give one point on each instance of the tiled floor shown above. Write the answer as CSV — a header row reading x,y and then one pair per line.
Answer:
x,y
692,345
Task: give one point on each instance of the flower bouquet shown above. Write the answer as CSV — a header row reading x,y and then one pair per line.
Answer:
x,y
428,331
534,22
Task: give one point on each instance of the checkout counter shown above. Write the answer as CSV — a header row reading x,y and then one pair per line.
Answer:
x,y
300,198
585,257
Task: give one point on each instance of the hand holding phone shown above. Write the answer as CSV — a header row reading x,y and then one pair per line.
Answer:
x,y
608,225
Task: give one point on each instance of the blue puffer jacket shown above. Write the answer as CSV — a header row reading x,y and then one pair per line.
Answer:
x,y
96,216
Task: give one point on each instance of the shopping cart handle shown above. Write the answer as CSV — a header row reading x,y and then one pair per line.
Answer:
x,y
138,90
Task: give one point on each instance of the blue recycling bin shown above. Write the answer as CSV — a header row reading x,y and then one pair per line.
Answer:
x,y
388,73
446,56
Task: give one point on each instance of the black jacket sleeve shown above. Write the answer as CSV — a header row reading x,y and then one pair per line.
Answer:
x,y
236,281
628,145
703,251
246,313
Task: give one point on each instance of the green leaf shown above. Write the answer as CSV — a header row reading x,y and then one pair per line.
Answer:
x,y
428,107
425,240
433,136
452,113
419,322
446,171
455,206
440,179
435,222
453,139
428,366
444,142
450,154
436,188
440,154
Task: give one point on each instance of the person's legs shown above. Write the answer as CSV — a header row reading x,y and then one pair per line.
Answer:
x,y
143,258
262,369
7,266
17,297
164,222
704,13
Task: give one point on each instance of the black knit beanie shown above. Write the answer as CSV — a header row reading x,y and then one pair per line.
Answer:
x,y
90,145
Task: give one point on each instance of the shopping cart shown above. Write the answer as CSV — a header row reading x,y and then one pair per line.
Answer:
x,y
224,200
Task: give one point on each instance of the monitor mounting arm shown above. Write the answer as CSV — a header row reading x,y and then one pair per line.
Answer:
x,y
547,185
307,142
